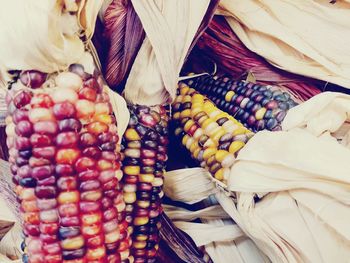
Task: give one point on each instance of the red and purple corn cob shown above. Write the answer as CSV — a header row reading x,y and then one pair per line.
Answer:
x,y
65,161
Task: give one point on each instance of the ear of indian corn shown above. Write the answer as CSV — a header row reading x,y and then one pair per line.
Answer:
x,y
65,161
256,106
213,137
145,154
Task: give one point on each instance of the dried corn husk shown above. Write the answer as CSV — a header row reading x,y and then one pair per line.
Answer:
x,y
180,243
302,176
176,185
170,27
220,44
10,244
10,232
4,259
119,40
42,35
224,241
3,108
124,34
301,42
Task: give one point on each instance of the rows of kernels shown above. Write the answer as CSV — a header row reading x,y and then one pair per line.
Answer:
x,y
257,107
18,132
145,155
75,168
212,136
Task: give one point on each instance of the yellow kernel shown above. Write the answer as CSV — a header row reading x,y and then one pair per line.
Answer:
x,y
220,155
104,118
260,113
132,135
139,244
208,152
196,104
229,95
197,97
132,170
195,110
188,125
68,197
142,203
194,146
196,152
240,130
189,142
129,198
185,139
211,160
185,113
72,243
235,146
221,115
178,98
141,237
184,90
176,115
140,221
219,175
186,98
209,107
146,178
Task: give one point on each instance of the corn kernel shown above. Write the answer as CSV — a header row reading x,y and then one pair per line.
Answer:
x,y
188,125
240,130
220,155
219,175
208,152
132,135
185,113
229,95
139,221
235,146
72,243
146,178
132,170
184,90
259,114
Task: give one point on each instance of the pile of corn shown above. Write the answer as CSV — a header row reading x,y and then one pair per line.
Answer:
x,y
213,137
256,106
